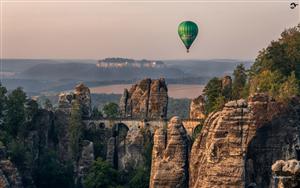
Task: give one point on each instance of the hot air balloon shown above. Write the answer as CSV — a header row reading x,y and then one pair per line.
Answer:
x,y
187,32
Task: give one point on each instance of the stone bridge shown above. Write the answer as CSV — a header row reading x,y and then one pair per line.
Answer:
x,y
189,124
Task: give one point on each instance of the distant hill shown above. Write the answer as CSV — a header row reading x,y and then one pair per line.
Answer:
x,y
89,72
207,68
47,75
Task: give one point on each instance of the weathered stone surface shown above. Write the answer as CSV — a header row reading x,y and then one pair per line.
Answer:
x,y
9,175
197,110
146,99
86,159
170,156
218,156
111,151
130,150
158,99
274,139
61,123
82,95
286,173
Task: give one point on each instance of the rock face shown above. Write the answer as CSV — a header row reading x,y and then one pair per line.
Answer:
x,y
146,99
197,110
170,156
275,139
9,175
126,147
86,159
287,173
62,116
82,95
220,156
130,151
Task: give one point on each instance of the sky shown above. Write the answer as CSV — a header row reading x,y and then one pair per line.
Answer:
x,y
96,30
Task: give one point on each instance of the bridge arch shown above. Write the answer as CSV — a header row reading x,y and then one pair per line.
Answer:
x,y
101,125
91,126
120,130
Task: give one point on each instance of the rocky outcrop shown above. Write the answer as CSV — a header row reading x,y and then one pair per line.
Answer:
x,y
126,147
286,174
130,151
86,159
82,95
197,110
220,154
170,156
146,99
274,139
9,175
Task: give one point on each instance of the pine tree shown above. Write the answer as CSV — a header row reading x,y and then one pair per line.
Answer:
x,y
239,81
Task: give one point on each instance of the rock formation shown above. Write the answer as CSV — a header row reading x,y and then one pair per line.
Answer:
x,y
62,116
82,95
238,144
197,110
86,159
130,151
9,175
274,139
286,174
170,156
146,99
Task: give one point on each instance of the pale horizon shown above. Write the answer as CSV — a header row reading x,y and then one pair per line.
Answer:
x,y
98,30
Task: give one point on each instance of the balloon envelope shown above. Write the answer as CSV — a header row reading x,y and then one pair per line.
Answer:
x,y
187,32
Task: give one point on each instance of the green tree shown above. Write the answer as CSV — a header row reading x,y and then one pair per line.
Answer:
x,y
15,116
75,129
212,91
17,153
96,114
289,88
267,82
111,110
140,179
282,56
3,101
273,68
239,81
101,175
31,109
49,172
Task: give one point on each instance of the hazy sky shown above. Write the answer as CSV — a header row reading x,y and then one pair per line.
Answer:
x,y
96,30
